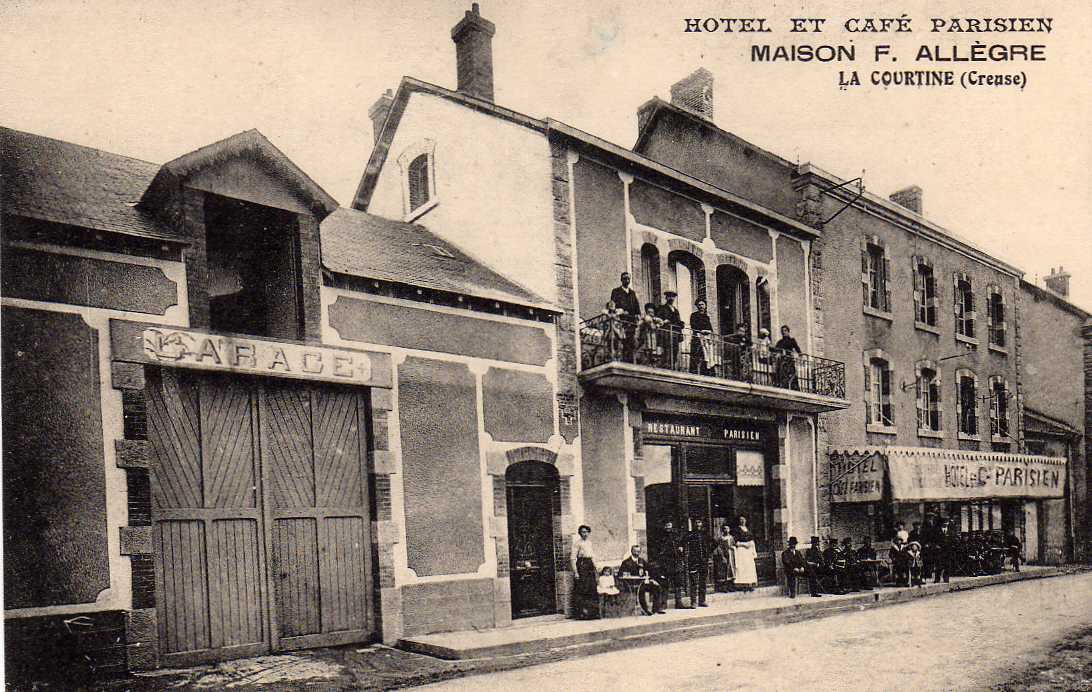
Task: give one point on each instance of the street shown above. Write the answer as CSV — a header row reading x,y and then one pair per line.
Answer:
x,y
967,640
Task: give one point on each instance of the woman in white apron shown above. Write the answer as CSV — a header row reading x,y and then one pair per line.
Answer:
x,y
746,550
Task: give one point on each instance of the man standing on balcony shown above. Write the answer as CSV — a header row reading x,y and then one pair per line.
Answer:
x,y
625,299
702,348
673,326
787,349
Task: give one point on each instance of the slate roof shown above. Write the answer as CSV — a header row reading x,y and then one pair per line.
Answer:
x,y
360,244
66,183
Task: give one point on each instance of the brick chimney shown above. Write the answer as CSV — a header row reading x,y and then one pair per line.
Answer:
x,y
473,37
909,198
1058,281
378,112
695,93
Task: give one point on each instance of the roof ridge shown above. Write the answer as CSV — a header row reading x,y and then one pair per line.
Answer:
x,y
76,144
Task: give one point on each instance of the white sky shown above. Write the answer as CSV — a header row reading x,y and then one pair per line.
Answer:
x,y
1006,169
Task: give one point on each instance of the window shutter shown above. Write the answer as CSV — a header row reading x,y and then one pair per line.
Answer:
x,y
922,406
989,309
885,282
864,274
868,391
934,386
885,381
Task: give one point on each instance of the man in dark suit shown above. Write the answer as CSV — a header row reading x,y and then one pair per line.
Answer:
x,y
625,298
673,322
672,562
635,566
945,552
795,566
813,566
699,323
836,565
697,563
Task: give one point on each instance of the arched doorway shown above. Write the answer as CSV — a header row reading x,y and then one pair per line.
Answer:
x,y
534,500
734,299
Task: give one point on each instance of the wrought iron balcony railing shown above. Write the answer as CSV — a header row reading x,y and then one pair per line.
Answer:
x,y
607,339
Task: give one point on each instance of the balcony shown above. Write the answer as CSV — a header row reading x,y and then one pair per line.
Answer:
x,y
623,355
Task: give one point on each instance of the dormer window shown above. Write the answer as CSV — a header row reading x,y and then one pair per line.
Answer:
x,y
418,165
417,182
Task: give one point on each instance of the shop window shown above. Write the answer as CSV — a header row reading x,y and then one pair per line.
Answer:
x,y
964,306
925,292
999,407
875,276
253,269
650,272
928,399
878,406
995,317
966,402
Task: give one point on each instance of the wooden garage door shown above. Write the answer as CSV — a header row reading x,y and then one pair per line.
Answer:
x,y
313,453
260,506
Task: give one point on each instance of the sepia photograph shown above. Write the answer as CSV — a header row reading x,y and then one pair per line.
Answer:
x,y
454,345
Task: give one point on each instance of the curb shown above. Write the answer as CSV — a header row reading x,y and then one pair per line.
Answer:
x,y
645,634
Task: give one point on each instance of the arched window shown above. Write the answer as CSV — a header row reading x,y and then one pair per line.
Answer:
x,y
650,272
689,275
734,299
762,299
417,182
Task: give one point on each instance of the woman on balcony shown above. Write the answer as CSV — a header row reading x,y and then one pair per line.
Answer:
x,y
649,350
787,351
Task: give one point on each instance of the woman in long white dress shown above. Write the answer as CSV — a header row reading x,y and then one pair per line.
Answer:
x,y
746,575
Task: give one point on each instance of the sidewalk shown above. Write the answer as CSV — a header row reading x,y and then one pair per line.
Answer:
x,y
431,658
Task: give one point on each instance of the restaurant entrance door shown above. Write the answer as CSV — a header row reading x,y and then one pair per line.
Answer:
x,y
708,469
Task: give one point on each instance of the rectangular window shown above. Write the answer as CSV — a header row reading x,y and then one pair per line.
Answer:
x,y
995,313
964,308
925,295
968,417
999,409
878,393
875,274
929,413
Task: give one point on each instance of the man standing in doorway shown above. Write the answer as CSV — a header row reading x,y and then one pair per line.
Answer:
x,y
674,324
697,563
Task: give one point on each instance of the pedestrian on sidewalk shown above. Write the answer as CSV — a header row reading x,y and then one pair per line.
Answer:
x,y
585,594
697,563
673,561
813,566
724,560
793,563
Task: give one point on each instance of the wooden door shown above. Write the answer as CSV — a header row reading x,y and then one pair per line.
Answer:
x,y
209,556
313,445
530,550
262,533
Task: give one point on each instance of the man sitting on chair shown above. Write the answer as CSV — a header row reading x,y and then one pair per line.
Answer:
x,y
635,566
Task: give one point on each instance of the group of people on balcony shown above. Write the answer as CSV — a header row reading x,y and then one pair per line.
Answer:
x,y
655,336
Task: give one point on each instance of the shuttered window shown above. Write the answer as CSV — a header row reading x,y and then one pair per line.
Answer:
x,y
878,405
875,277
966,402
925,292
418,182
995,317
964,305
928,400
